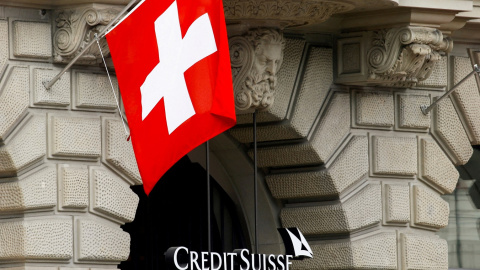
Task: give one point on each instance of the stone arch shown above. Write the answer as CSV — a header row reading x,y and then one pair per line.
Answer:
x,y
360,170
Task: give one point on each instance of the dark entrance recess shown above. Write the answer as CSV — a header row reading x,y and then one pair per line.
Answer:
x,y
175,214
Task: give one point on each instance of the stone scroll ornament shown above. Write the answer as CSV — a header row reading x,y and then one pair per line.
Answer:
x,y
404,56
75,29
256,58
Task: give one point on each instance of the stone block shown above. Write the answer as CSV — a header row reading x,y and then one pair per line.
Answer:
x,y
438,77
449,132
3,46
32,40
14,99
409,114
73,188
467,98
98,242
93,92
362,210
313,91
374,109
286,155
37,191
118,153
38,239
332,129
264,133
35,268
349,167
435,167
112,196
424,252
394,155
377,251
26,149
429,209
57,96
397,204
74,137
286,78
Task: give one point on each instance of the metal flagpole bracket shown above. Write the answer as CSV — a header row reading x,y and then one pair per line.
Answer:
x,y
48,85
426,109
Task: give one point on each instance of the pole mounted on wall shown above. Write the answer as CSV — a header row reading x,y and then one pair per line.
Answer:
x,y
426,109
49,84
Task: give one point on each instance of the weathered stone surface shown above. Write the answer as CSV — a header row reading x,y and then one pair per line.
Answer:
x,y
438,77
378,251
100,242
449,131
14,99
397,203
424,252
118,152
93,91
374,109
3,46
313,91
58,95
349,167
429,209
26,149
394,155
409,114
113,197
333,127
39,239
73,187
467,98
32,40
330,132
362,210
36,191
436,168
286,155
75,137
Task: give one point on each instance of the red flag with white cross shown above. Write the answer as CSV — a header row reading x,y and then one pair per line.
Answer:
x,y
173,67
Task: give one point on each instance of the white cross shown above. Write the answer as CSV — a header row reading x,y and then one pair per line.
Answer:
x,y
176,55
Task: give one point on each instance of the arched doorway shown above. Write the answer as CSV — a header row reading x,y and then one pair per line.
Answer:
x,y
175,214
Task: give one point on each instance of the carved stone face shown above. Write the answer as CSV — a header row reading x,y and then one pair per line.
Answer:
x,y
266,63
256,58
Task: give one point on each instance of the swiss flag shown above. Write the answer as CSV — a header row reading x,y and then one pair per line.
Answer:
x,y
173,68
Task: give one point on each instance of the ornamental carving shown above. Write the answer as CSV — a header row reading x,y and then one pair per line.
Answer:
x,y
256,58
76,28
285,12
404,56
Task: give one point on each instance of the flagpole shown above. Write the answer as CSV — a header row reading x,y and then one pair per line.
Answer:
x,y
207,156
49,84
255,174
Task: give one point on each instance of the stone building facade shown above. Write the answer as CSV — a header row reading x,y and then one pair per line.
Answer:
x,y
345,153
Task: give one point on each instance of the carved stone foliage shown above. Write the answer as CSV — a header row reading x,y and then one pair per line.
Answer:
x,y
256,57
399,57
404,56
76,28
286,12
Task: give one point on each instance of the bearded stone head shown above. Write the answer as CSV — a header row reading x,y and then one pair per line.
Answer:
x,y
256,58
268,45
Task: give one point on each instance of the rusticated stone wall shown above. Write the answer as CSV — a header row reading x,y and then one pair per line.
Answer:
x,y
65,166
360,169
